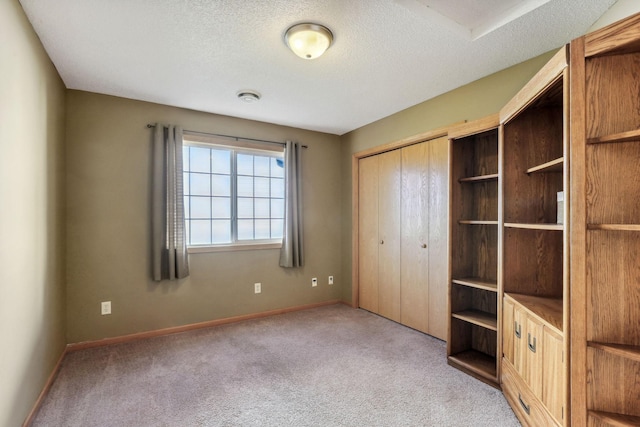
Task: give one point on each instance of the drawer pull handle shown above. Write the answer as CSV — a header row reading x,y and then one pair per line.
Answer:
x,y
517,329
526,407
531,347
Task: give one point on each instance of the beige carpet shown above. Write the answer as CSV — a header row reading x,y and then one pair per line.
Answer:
x,y
330,366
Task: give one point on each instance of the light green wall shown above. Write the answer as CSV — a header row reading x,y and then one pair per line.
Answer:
x,y
32,331
473,101
108,169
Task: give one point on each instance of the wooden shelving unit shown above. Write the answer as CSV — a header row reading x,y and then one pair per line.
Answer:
x,y
534,253
473,344
605,270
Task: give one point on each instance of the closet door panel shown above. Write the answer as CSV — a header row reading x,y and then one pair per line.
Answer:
x,y
368,240
415,237
389,234
438,235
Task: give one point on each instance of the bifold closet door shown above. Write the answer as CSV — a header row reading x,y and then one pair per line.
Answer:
x,y
424,236
389,221
379,234
438,236
368,241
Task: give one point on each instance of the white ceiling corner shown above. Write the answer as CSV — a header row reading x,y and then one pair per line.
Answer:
x,y
387,55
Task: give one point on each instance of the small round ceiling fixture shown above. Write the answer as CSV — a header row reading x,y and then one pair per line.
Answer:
x,y
308,40
249,96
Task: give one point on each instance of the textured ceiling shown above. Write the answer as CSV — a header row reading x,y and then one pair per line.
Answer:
x,y
387,54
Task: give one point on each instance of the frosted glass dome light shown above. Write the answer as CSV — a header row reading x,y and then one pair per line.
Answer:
x,y
307,40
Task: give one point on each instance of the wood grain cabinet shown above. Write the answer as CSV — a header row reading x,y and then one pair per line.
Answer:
x,y
402,235
534,254
605,262
473,345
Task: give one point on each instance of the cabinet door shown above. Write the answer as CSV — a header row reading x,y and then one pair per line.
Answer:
x,y
508,330
368,240
553,371
389,235
519,344
415,237
532,346
438,235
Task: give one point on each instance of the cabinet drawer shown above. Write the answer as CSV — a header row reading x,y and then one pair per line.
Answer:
x,y
529,410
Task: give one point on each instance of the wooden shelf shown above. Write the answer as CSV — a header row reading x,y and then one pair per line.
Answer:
x,y
548,226
549,310
553,166
630,352
479,318
474,282
476,362
616,420
480,178
614,227
477,222
633,135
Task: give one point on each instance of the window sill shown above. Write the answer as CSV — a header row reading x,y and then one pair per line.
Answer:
x,y
232,248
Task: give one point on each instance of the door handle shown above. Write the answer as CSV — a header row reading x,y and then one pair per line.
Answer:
x,y
424,245
531,347
517,329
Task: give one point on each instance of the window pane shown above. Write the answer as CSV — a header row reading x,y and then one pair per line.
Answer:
x,y
277,225
199,159
245,229
185,183
185,157
277,208
245,164
245,186
262,187
200,232
221,161
221,231
277,167
245,208
262,208
277,187
262,229
187,213
261,165
200,184
200,207
221,185
220,208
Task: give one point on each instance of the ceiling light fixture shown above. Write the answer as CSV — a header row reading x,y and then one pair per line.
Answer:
x,y
249,96
308,40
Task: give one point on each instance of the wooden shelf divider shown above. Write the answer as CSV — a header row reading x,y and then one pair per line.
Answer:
x,y
477,222
549,310
480,178
555,165
616,420
614,227
548,226
630,352
633,135
474,282
477,362
479,318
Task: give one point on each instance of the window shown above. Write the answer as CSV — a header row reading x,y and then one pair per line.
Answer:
x,y
232,195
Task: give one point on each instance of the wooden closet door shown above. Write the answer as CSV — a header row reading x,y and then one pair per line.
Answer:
x,y
389,234
368,241
438,218
415,237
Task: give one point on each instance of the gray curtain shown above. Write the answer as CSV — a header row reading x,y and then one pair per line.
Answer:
x,y
169,248
292,252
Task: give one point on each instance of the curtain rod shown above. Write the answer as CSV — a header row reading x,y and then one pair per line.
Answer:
x,y
237,138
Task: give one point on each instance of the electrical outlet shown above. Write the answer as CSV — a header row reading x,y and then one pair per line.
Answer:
x,y
257,288
105,307
314,282
331,280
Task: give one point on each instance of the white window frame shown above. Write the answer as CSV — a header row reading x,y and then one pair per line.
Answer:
x,y
236,147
